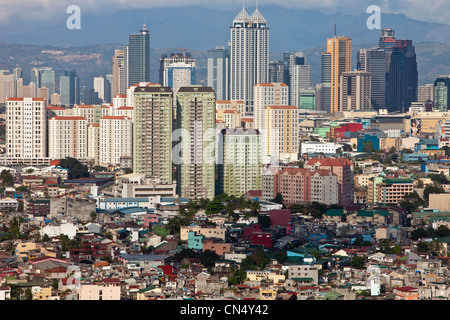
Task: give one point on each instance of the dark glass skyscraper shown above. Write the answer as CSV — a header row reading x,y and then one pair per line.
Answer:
x,y
402,77
387,39
137,58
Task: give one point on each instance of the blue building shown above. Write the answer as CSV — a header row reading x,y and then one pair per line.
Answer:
x,y
414,157
368,138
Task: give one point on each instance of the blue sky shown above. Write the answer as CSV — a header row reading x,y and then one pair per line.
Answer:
x,y
434,10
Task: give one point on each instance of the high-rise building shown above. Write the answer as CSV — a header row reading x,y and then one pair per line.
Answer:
x,y
137,58
280,135
99,87
26,128
67,137
152,131
116,139
425,93
402,78
218,69
69,88
239,168
297,75
93,143
196,108
387,39
340,50
355,91
307,99
300,79
48,81
441,93
249,56
119,84
325,82
300,185
374,62
8,86
342,168
177,71
267,94
276,71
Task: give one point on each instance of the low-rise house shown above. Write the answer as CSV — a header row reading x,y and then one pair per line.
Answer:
x,y
41,292
372,216
406,293
5,293
101,291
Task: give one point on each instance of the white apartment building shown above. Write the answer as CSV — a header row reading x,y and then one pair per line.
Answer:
x,y
26,128
93,142
67,137
319,147
85,111
267,94
116,139
324,187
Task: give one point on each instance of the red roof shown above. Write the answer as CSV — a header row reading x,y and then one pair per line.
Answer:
x,y
330,162
114,118
406,289
74,118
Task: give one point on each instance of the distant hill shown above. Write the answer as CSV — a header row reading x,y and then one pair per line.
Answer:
x,y
202,28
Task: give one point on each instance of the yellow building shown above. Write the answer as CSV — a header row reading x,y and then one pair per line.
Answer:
x,y
267,294
41,293
340,49
281,130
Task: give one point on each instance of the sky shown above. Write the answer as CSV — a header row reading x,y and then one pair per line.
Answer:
x,y
41,10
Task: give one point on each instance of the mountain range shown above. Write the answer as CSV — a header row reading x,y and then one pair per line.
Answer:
x,y
201,28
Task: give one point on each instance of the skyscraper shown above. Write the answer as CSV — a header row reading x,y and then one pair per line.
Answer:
x,y
402,78
249,56
268,94
276,71
387,39
218,66
441,93
239,168
69,88
340,50
137,58
118,85
177,71
196,108
152,131
26,127
325,79
48,81
355,91
374,62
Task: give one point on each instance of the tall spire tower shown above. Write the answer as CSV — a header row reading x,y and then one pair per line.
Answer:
x,y
249,56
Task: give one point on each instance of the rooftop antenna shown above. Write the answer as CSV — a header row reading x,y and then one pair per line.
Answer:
x,y
335,28
145,26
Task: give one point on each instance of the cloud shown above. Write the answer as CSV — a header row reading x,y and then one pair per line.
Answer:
x,y
436,10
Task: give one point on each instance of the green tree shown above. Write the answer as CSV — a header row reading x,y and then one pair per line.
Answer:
x,y
278,199
358,262
7,178
75,167
237,277
208,258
